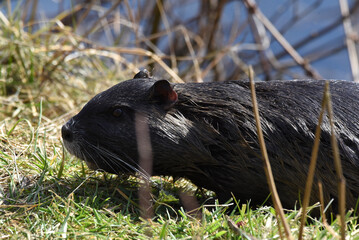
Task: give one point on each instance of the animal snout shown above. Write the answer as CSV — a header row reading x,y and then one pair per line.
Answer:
x,y
67,133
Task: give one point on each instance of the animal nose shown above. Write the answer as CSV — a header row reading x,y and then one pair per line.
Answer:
x,y
66,132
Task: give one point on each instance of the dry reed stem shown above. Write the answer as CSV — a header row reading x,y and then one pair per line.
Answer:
x,y
66,13
155,23
195,37
85,14
113,51
338,167
170,39
156,58
146,163
132,18
253,9
348,29
196,66
324,219
213,63
326,104
113,7
321,200
214,19
110,52
266,163
258,37
313,162
186,36
190,204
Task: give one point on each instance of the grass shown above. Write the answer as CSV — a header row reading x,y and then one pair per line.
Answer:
x,y
35,203
47,73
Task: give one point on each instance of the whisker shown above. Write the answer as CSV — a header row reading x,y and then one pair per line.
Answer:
x,y
114,160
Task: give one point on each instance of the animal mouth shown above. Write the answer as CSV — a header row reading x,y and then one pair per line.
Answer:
x,y
74,149
82,153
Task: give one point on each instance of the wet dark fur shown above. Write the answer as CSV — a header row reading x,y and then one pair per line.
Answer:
x,y
209,135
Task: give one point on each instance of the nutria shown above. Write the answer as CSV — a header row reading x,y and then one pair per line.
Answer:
x,y
206,132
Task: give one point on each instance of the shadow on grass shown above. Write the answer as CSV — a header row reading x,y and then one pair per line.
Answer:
x,y
98,191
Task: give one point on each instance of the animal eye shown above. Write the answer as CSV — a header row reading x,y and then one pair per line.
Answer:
x,y
117,112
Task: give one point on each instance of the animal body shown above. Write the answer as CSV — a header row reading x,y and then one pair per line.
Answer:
x,y
206,132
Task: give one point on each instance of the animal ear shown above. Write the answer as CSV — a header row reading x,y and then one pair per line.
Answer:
x,y
143,74
162,93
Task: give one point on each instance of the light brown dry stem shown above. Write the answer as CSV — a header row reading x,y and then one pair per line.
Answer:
x,y
338,167
324,219
267,167
313,162
352,51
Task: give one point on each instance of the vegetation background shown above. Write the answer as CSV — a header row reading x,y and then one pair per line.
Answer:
x,y
56,55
